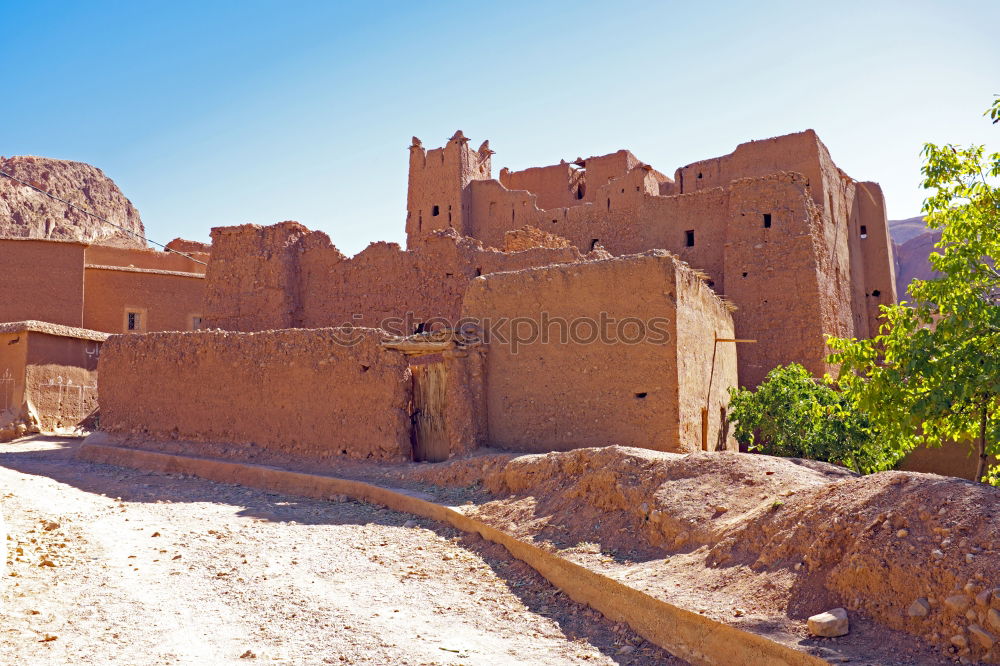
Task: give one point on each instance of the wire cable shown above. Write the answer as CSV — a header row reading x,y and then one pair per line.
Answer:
x,y
98,217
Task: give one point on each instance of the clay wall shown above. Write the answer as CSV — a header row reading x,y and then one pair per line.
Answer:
x,y
436,197
706,369
42,280
165,301
384,282
105,255
251,282
13,355
555,186
304,281
61,380
799,152
298,395
566,389
772,277
48,378
870,240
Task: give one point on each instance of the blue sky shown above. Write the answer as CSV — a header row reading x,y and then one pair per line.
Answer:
x,y
219,113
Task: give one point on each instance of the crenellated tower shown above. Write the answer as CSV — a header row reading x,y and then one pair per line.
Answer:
x,y
437,194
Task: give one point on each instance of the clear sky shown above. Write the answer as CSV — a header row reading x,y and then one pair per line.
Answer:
x,y
215,113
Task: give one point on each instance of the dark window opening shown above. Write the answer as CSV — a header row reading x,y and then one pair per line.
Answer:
x,y
554,221
876,293
593,243
609,204
420,222
365,368
449,275
420,328
711,283
435,211
767,220
641,395
196,323
699,174
133,321
744,275
636,188
689,238
579,192
623,190
864,231
479,271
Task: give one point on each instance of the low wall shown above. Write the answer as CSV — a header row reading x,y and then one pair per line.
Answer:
x,y
281,395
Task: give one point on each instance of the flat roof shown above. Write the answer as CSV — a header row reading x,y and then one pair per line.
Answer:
x,y
34,326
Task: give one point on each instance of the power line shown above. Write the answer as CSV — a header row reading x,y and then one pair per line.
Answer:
x,y
98,217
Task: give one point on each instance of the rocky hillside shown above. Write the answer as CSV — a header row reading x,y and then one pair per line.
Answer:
x,y
25,213
912,244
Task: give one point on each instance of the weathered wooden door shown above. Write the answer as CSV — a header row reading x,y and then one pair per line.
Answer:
x,y
430,438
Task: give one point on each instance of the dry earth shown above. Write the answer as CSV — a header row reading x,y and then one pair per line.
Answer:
x,y
116,566
762,543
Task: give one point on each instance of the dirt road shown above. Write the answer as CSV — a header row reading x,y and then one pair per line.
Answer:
x,y
114,566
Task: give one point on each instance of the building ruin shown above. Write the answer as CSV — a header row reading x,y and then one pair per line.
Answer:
x,y
750,259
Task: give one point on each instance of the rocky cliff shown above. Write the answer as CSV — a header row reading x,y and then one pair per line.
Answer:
x,y
25,213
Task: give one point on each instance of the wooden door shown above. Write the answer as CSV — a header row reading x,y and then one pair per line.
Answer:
x,y
430,438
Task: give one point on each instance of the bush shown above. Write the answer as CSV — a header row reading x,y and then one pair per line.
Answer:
x,y
794,415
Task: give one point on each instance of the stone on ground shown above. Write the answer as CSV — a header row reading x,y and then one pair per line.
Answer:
x,y
830,624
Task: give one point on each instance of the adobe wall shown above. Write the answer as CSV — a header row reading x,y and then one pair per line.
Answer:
x,y
54,294
276,396
878,285
13,354
48,378
105,255
436,196
556,186
774,278
706,369
546,395
286,276
167,301
252,277
61,380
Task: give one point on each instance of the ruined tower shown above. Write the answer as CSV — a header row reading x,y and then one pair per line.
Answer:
x,y
437,195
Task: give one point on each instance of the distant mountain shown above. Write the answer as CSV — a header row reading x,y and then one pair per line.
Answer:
x,y
27,213
912,244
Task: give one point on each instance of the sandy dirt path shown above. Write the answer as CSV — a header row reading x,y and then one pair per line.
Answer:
x,y
115,566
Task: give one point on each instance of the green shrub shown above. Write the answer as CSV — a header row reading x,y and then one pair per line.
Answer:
x,y
791,414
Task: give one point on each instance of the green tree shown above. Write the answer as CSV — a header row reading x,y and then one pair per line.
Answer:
x,y
792,414
932,374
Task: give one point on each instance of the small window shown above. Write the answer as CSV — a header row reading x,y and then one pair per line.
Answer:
x,y
435,211
134,321
876,293
196,323
699,174
864,231
767,220
579,192
593,243
609,203
689,238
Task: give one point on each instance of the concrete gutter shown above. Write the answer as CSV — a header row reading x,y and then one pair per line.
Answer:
x,y
690,636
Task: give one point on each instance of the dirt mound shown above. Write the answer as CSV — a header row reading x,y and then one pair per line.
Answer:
x,y
916,552
25,213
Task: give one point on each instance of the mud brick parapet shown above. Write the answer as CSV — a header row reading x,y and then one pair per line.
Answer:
x,y
272,395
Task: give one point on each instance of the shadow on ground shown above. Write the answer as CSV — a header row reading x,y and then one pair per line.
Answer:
x,y
55,458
